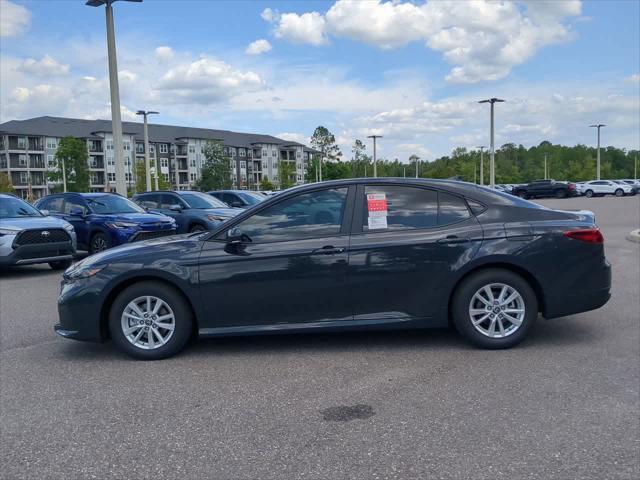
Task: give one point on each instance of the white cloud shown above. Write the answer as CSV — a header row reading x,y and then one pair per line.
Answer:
x,y
164,53
294,137
482,40
14,19
258,47
46,66
633,78
307,28
207,80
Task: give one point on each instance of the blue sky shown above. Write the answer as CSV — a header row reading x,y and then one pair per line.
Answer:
x,y
409,71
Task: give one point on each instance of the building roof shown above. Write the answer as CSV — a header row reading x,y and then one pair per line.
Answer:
x,y
75,127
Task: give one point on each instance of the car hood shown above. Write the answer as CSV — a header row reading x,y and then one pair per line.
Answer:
x,y
24,223
223,212
140,252
141,218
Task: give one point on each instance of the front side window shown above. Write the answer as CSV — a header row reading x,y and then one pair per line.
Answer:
x,y
11,207
308,215
73,203
147,201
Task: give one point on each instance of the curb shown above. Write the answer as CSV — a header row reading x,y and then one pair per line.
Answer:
x,y
634,236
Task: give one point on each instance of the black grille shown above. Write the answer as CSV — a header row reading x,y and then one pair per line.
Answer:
x,y
38,237
149,235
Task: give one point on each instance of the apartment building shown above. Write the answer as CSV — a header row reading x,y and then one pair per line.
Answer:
x,y
28,147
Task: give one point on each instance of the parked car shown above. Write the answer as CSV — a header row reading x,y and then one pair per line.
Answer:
x,y
29,236
192,211
545,188
346,255
635,185
104,220
600,188
238,198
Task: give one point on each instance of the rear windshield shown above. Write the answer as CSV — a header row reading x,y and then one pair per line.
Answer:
x,y
516,201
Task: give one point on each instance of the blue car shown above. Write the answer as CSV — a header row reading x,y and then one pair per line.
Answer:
x,y
104,220
192,211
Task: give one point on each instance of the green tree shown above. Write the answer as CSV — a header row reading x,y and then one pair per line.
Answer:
x,y
217,169
325,142
265,184
5,183
72,153
286,174
141,178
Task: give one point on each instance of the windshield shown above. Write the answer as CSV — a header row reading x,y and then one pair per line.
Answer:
x,y
200,200
251,198
12,207
110,204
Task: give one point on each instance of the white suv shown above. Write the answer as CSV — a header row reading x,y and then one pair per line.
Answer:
x,y
604,187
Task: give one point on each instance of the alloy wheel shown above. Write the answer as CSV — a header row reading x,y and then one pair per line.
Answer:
x,y
148,322
99,244
497,310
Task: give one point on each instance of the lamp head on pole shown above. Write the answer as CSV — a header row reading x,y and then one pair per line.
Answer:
x,y
491,100
142,112
99,3
598,125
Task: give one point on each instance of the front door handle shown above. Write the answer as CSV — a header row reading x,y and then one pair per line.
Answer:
x,y
328,250
453,239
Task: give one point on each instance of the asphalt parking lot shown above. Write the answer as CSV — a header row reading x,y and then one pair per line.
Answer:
x,y
565,404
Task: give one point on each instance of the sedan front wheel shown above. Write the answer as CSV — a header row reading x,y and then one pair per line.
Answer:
x,y
150,321
494,308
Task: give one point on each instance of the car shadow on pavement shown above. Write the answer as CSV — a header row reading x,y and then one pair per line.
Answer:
x,y
27,271
547,334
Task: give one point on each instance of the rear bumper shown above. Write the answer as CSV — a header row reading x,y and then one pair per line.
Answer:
x,y
592,293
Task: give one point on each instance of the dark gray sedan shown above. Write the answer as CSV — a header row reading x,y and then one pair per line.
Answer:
x,y
346,255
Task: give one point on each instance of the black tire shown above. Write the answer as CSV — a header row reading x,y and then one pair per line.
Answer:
x,y
588,193
561,194
181,311
523,194
99,242
196,227
462,300
619,192
60,265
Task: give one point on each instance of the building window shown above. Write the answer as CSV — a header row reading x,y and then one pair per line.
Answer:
x,y
109,144
110,161
22,142
241,152
243,165
52,144
274,153
166,177
94,179
93,162
164,162
24,177
126,146
298,154
50,161
264,152
111,176
22,160
127,176
192,149
152,149
127,160
193,177
164,148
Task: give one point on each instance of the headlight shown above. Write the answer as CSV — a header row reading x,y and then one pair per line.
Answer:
x,y
77,272
217,218
122,225
8,231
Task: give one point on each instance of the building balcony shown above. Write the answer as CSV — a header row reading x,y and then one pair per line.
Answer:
x,y
95,146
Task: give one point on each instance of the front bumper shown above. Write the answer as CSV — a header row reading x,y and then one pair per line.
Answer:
x,y
38,253
79,309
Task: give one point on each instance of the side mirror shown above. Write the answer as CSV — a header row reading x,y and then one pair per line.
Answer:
x,y
235,236
76,212
45,212
175,208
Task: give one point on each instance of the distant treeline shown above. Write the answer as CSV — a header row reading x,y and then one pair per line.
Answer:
x,y
514,164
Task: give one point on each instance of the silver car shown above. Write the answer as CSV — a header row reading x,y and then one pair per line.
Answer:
x,y
29,236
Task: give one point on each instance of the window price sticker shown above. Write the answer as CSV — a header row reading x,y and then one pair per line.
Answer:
x,y
378,209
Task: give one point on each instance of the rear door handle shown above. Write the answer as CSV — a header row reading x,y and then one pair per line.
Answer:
x,y
328,250
453,239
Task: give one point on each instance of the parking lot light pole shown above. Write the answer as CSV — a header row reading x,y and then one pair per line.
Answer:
x,y
492,162
146,147
121,186
375,162
598,126
545,166
481,147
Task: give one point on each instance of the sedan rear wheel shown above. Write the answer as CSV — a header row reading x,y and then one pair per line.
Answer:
x,y
619,192
494,308
150,321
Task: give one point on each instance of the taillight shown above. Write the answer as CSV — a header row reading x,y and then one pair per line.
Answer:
x,y
589,235
571,187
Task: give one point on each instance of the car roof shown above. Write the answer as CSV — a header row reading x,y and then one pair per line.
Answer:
x,y
9,195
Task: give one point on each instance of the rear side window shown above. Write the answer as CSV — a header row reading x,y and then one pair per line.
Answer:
x,y
452,209
167,201
147,201
405,207
52,204
71,203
